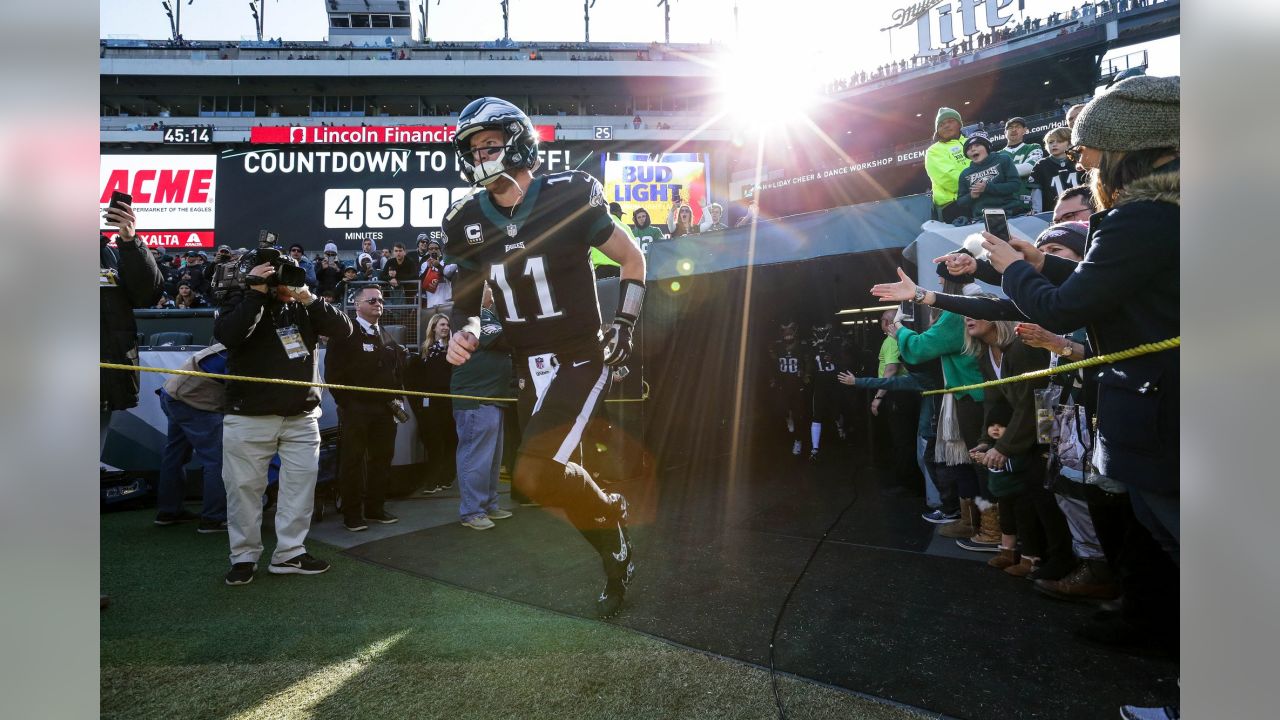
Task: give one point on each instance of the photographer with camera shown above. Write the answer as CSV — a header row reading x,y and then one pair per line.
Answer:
x,y
269,321
436,278
367,420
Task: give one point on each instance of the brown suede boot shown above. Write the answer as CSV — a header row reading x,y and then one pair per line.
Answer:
x,y
963,528
987,536
1022,569
1005,558
1090,582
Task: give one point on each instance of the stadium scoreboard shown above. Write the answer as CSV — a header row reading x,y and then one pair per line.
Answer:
x,y
182,135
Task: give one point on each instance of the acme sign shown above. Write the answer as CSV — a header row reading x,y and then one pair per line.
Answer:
x,y
920,12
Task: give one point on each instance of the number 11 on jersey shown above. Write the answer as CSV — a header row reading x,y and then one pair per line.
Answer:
x,y
536,268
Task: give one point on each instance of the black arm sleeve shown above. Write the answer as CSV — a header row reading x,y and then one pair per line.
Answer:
x,y
139,275
978,308
329,320
987,274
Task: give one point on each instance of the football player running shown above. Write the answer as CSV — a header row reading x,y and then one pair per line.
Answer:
x,y
530,238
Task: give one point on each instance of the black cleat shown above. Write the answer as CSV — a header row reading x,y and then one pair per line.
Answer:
x,y
618,558
610,600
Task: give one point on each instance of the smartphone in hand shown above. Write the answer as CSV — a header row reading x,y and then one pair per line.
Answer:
x,y
119,199
908,312
996,222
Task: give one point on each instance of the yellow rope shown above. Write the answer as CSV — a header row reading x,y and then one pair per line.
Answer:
x,y
329,386
1169,344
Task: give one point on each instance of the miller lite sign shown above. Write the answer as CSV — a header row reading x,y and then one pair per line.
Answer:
x,y
919,14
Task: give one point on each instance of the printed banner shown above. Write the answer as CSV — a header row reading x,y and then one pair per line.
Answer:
x,y
172,239
169,191
367,135
654,182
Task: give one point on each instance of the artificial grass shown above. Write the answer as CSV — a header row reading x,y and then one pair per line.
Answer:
x,y
362,641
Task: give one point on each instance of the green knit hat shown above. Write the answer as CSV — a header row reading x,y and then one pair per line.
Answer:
x,y
945,113
1135,114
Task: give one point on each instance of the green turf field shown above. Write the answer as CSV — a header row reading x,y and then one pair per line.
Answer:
x,y
362,641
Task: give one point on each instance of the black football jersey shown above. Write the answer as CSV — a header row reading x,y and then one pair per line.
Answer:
x,y
825,368
537,261
790,361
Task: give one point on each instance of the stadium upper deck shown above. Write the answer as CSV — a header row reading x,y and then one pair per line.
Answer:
x,y
581,88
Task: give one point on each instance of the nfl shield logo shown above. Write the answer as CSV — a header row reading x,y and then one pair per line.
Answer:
x,y
540,363
512,230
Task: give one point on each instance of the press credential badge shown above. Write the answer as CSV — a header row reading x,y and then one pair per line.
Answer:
x,y
291,339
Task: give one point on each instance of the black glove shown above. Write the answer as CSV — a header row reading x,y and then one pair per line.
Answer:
x,y
617,344
617,339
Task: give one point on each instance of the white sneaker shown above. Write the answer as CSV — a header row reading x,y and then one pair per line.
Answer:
x,y
498,514
479,522
796,448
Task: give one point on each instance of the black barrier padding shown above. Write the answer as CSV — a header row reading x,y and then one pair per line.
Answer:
x,y
695,335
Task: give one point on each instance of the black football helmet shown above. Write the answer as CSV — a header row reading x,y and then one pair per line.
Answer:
x,y
520,143
821,334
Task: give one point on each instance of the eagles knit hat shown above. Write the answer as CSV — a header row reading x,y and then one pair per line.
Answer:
x,y
1069,235
978,137
945,113
1135,114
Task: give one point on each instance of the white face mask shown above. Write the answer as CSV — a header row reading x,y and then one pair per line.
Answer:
x,y
490,170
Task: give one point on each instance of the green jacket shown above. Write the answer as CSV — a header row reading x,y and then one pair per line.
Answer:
x,y
1010,479
1004,187
943,162
944,340
488,372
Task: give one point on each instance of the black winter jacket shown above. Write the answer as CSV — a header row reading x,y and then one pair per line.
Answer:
x,y
368,361
247,325
128,278
1125,293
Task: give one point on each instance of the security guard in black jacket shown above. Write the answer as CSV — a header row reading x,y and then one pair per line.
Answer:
x,y
369,358
271,330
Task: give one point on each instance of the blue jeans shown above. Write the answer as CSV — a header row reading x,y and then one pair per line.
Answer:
x,y
479,459
197,432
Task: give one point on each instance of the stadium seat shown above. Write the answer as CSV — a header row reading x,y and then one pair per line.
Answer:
x,y
162,339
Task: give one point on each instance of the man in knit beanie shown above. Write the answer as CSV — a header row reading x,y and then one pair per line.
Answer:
x,y
943,162
1134,114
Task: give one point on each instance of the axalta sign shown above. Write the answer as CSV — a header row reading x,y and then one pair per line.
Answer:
x,y
173,192
373,135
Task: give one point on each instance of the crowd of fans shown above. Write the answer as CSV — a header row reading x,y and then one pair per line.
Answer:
x,y
1080,17
1072,483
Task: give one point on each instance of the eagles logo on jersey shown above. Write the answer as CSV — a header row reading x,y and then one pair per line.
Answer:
x,y
536,258
597,194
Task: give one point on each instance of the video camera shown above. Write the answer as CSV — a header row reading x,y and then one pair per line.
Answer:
x,y
233,275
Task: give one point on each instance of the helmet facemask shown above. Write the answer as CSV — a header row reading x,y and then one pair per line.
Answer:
x,y
519,147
